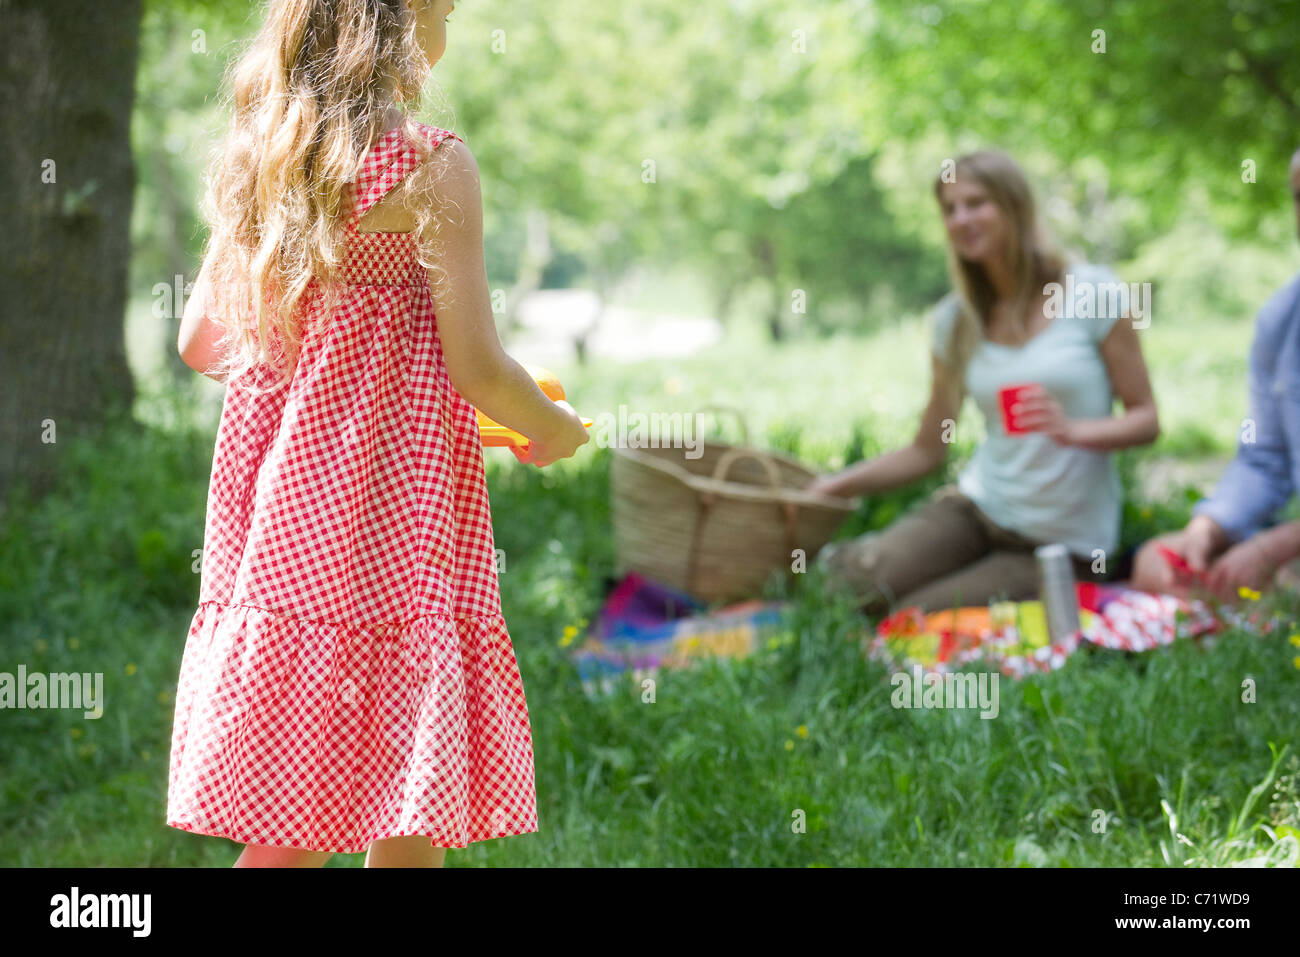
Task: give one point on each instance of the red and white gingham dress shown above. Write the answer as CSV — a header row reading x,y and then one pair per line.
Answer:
x,y
348,675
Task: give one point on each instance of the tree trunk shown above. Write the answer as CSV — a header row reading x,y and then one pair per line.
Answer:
x,y
766,257
173,223
603,288
67,79
723,296
775,329
537,255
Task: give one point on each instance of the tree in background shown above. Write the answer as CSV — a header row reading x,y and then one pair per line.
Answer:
x,y
763,146
67,73
1183,101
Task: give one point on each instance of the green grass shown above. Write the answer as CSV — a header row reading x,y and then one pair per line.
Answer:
x,y
98,577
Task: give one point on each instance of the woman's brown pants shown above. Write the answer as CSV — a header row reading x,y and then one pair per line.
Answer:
x,y
943,554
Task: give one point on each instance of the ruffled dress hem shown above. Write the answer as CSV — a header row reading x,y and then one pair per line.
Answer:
x,y
328,736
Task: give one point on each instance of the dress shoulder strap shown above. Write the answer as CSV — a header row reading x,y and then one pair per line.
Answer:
x,y
390,159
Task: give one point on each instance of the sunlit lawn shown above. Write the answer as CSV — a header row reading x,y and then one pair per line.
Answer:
x,y
98,578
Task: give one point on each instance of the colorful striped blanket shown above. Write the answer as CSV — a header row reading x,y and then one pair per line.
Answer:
x,y
644,626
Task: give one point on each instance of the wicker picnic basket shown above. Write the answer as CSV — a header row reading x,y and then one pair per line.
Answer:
x,y
716,526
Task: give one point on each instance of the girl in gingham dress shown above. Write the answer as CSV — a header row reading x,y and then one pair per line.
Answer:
x,y
348,683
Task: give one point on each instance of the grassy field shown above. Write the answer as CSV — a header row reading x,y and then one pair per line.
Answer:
x,y
1160,748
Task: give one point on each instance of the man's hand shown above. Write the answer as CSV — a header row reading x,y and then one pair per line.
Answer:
x,y
1198,544
1246,565
1202,540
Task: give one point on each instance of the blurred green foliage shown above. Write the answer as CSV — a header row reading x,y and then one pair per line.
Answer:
x,y
787,154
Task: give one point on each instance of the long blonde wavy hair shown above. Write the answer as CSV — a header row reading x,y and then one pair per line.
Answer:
x,y
1034,258
310,96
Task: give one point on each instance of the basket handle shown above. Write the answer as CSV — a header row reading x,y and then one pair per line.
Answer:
x,y
732,411
733,454
704,501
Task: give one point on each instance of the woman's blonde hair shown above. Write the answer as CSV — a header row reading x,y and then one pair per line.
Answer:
x,y
1033,257
310,94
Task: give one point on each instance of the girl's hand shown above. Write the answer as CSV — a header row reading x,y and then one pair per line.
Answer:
x,y
1038,411
543,452
1244,565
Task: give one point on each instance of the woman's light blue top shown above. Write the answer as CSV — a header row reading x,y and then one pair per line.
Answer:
x,y
1028,483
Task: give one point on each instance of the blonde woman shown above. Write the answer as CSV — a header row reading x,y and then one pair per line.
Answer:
x,y
1008,322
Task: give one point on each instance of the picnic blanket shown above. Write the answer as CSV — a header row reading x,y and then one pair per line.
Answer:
x,y
1012,636
645,626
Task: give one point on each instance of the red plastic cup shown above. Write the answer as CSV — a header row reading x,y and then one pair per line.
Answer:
x,y
1008,397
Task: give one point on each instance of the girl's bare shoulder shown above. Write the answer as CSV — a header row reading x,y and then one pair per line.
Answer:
x,y
447,178
451,166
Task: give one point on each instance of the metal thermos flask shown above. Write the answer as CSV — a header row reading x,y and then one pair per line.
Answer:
x,y
1056,588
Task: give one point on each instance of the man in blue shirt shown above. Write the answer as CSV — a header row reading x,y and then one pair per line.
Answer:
x,y
1232,540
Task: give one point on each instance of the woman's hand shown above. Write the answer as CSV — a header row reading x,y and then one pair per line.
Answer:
x,y
828,485
560,446
1038,411
924,455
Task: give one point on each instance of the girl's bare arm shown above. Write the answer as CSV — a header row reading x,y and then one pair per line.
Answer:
x,y
479,368
199,334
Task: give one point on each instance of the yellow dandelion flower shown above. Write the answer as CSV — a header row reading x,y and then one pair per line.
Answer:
x,y
802,730
74,644
75,732
1295,640
789,745
1248,593
1296,661
570,633
131,668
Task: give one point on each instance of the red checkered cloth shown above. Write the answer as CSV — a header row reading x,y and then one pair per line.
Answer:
x,y
348,675
1127,620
